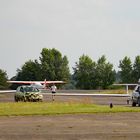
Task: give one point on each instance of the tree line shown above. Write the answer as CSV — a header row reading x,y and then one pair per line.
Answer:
x,y
87,73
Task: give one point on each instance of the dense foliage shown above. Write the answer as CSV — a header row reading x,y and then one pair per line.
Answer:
x,y
88,74
3,79
105,74
129,72
126,70
136,69
52,66
91,75
84,73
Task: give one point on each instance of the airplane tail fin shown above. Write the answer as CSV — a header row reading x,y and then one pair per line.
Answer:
x,y
44,85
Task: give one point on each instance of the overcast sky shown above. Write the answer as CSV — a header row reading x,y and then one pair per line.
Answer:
x,y
74,27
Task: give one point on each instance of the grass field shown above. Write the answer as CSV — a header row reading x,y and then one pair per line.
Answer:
x,y
23,109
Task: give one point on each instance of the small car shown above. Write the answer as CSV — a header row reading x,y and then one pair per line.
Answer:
x,y
28,93
136,96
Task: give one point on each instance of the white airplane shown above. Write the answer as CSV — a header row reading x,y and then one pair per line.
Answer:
x,y
42,85
37,84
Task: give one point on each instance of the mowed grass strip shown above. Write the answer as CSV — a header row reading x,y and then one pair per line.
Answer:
x,y
23,109
116,91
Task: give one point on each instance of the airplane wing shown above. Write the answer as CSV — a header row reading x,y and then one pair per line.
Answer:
x,y
7,91
52,82
94,94
125,84
32,82
20,82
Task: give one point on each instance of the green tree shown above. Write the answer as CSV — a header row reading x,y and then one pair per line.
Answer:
x,y
53,65
126,70
136,69
63,72
30,71
84,72
3,79
91,75
105,75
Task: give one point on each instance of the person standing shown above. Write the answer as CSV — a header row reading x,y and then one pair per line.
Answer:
x,y
53,89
